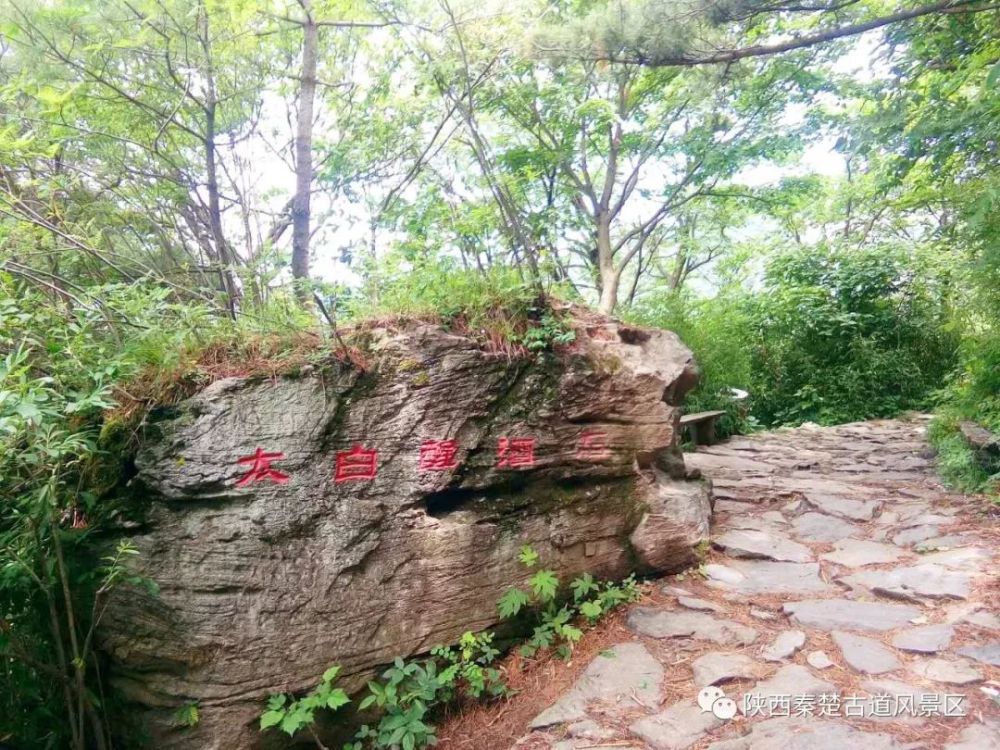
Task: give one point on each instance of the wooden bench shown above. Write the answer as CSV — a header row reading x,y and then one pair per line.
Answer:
x,y
701,426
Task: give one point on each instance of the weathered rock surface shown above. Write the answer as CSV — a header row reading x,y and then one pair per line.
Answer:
x,y
677,728
926,639
665,623
819,660
845,507
784,645
626,672
701,605
915,534
964,558
765,577
913,582
819,527
793,679
983,619
834,614
865,654
858,552
987,653
799,733
715,668
941,543
264,584
764,545
589,729
943,670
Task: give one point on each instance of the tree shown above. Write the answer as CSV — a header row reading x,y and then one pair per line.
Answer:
x,y
590,165
309,20
147,101
304,146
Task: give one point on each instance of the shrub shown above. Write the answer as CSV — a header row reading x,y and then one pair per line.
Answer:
x,y
842,334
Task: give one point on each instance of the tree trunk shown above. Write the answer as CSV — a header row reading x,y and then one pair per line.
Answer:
x,y
607,275
226,259
303,155
215,217
681,268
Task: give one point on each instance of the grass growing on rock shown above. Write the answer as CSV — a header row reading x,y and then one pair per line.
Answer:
x,y
500,312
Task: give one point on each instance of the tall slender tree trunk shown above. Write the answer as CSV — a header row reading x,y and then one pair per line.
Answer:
x,y
225,258
303,155
607,275
215,218
680,268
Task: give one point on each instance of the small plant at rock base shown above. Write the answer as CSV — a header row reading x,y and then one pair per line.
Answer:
x,y
590,600
468,665
291,715
528,556
408,692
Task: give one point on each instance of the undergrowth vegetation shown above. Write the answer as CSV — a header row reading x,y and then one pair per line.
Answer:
x,y
831,335
957,461
409,695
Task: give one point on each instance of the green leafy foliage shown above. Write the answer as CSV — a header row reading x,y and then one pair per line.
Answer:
x,y
957,461
405,696
835,334
512,602
57,374
555,613
187,715
848,334
717,330
499,307
528,556
544,585
292,715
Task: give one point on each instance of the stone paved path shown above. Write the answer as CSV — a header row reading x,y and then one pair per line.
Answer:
x,y
846,591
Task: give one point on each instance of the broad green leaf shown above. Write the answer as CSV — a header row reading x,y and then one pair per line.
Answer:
x,y
271,718
331,674
511,603
545,584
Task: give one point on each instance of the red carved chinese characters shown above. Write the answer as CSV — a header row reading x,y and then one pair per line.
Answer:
x,y
438,455
515,453
260,468
356,464
593,446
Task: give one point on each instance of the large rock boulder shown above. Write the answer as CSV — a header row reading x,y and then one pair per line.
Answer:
x,y
354,530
